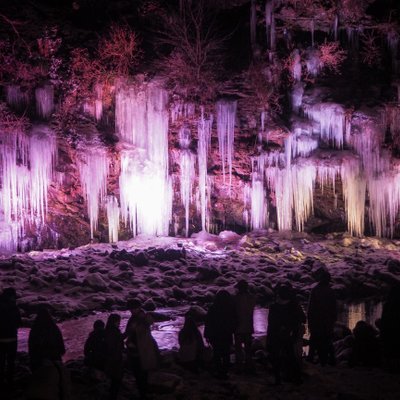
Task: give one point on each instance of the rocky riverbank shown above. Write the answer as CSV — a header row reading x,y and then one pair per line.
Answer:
x,y
169,272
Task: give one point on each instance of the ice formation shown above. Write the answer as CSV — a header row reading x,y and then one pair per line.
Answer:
x,y
259,205
95,106
93,166
187,173
354,189
145,184
113,218
44,101
180,109
204,127
270,24
226,115
26,169
15,97
332,121
313,62
296,66
297,96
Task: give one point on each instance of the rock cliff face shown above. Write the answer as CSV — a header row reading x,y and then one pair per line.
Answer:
x,y
282,143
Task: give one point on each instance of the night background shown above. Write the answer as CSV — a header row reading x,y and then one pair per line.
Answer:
x,y
164,150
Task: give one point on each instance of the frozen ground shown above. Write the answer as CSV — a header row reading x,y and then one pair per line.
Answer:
x,y
171,272
176,273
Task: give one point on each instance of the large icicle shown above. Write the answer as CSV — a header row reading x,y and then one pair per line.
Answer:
x,y
187,173
332,120
15,97
145,185
354,188
93,168
204,127
259,205
42,148
112,218
44,101
226,115
26,169
270,24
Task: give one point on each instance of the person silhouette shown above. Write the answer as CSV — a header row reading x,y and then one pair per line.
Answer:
x,y
322,315
285,321
10,321
219,327
390,329
142,349
191,344
114,347
244,307
94,348
45,340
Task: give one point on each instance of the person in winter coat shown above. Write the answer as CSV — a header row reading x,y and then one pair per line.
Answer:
x,y
94,349
390,329
285,322
191,345
142,349
322,315
244,306
45,340
10,321
114,347
219,327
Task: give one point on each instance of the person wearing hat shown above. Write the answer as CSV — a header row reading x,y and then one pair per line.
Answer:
x,y
142,349
10,321
322,315
244,306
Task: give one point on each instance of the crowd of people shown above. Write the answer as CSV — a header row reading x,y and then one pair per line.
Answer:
x,y
228,325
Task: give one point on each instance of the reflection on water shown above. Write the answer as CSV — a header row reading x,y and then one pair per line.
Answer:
x,y
76,331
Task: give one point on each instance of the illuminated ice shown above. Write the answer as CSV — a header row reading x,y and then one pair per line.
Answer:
x,y
226,115
44,100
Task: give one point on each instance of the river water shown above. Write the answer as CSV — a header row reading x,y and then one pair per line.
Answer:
x,y
165,333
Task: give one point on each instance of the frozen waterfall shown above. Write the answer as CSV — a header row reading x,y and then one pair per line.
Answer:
x,y
226,115
145,185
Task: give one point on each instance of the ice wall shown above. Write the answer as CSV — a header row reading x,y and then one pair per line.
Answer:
x,y
145,184
26,170
113,217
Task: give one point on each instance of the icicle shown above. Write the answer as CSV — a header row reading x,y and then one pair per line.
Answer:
x,y
247,205
384,195
259,206
297,96
303,145
354,188
226,115
293,189
331,118
112,218
26,168
145,185
335,28
270,24
93,170
204,142
393,40
15,97
312,29
313,62
44,101
253,26
187,173
296,65
42,148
